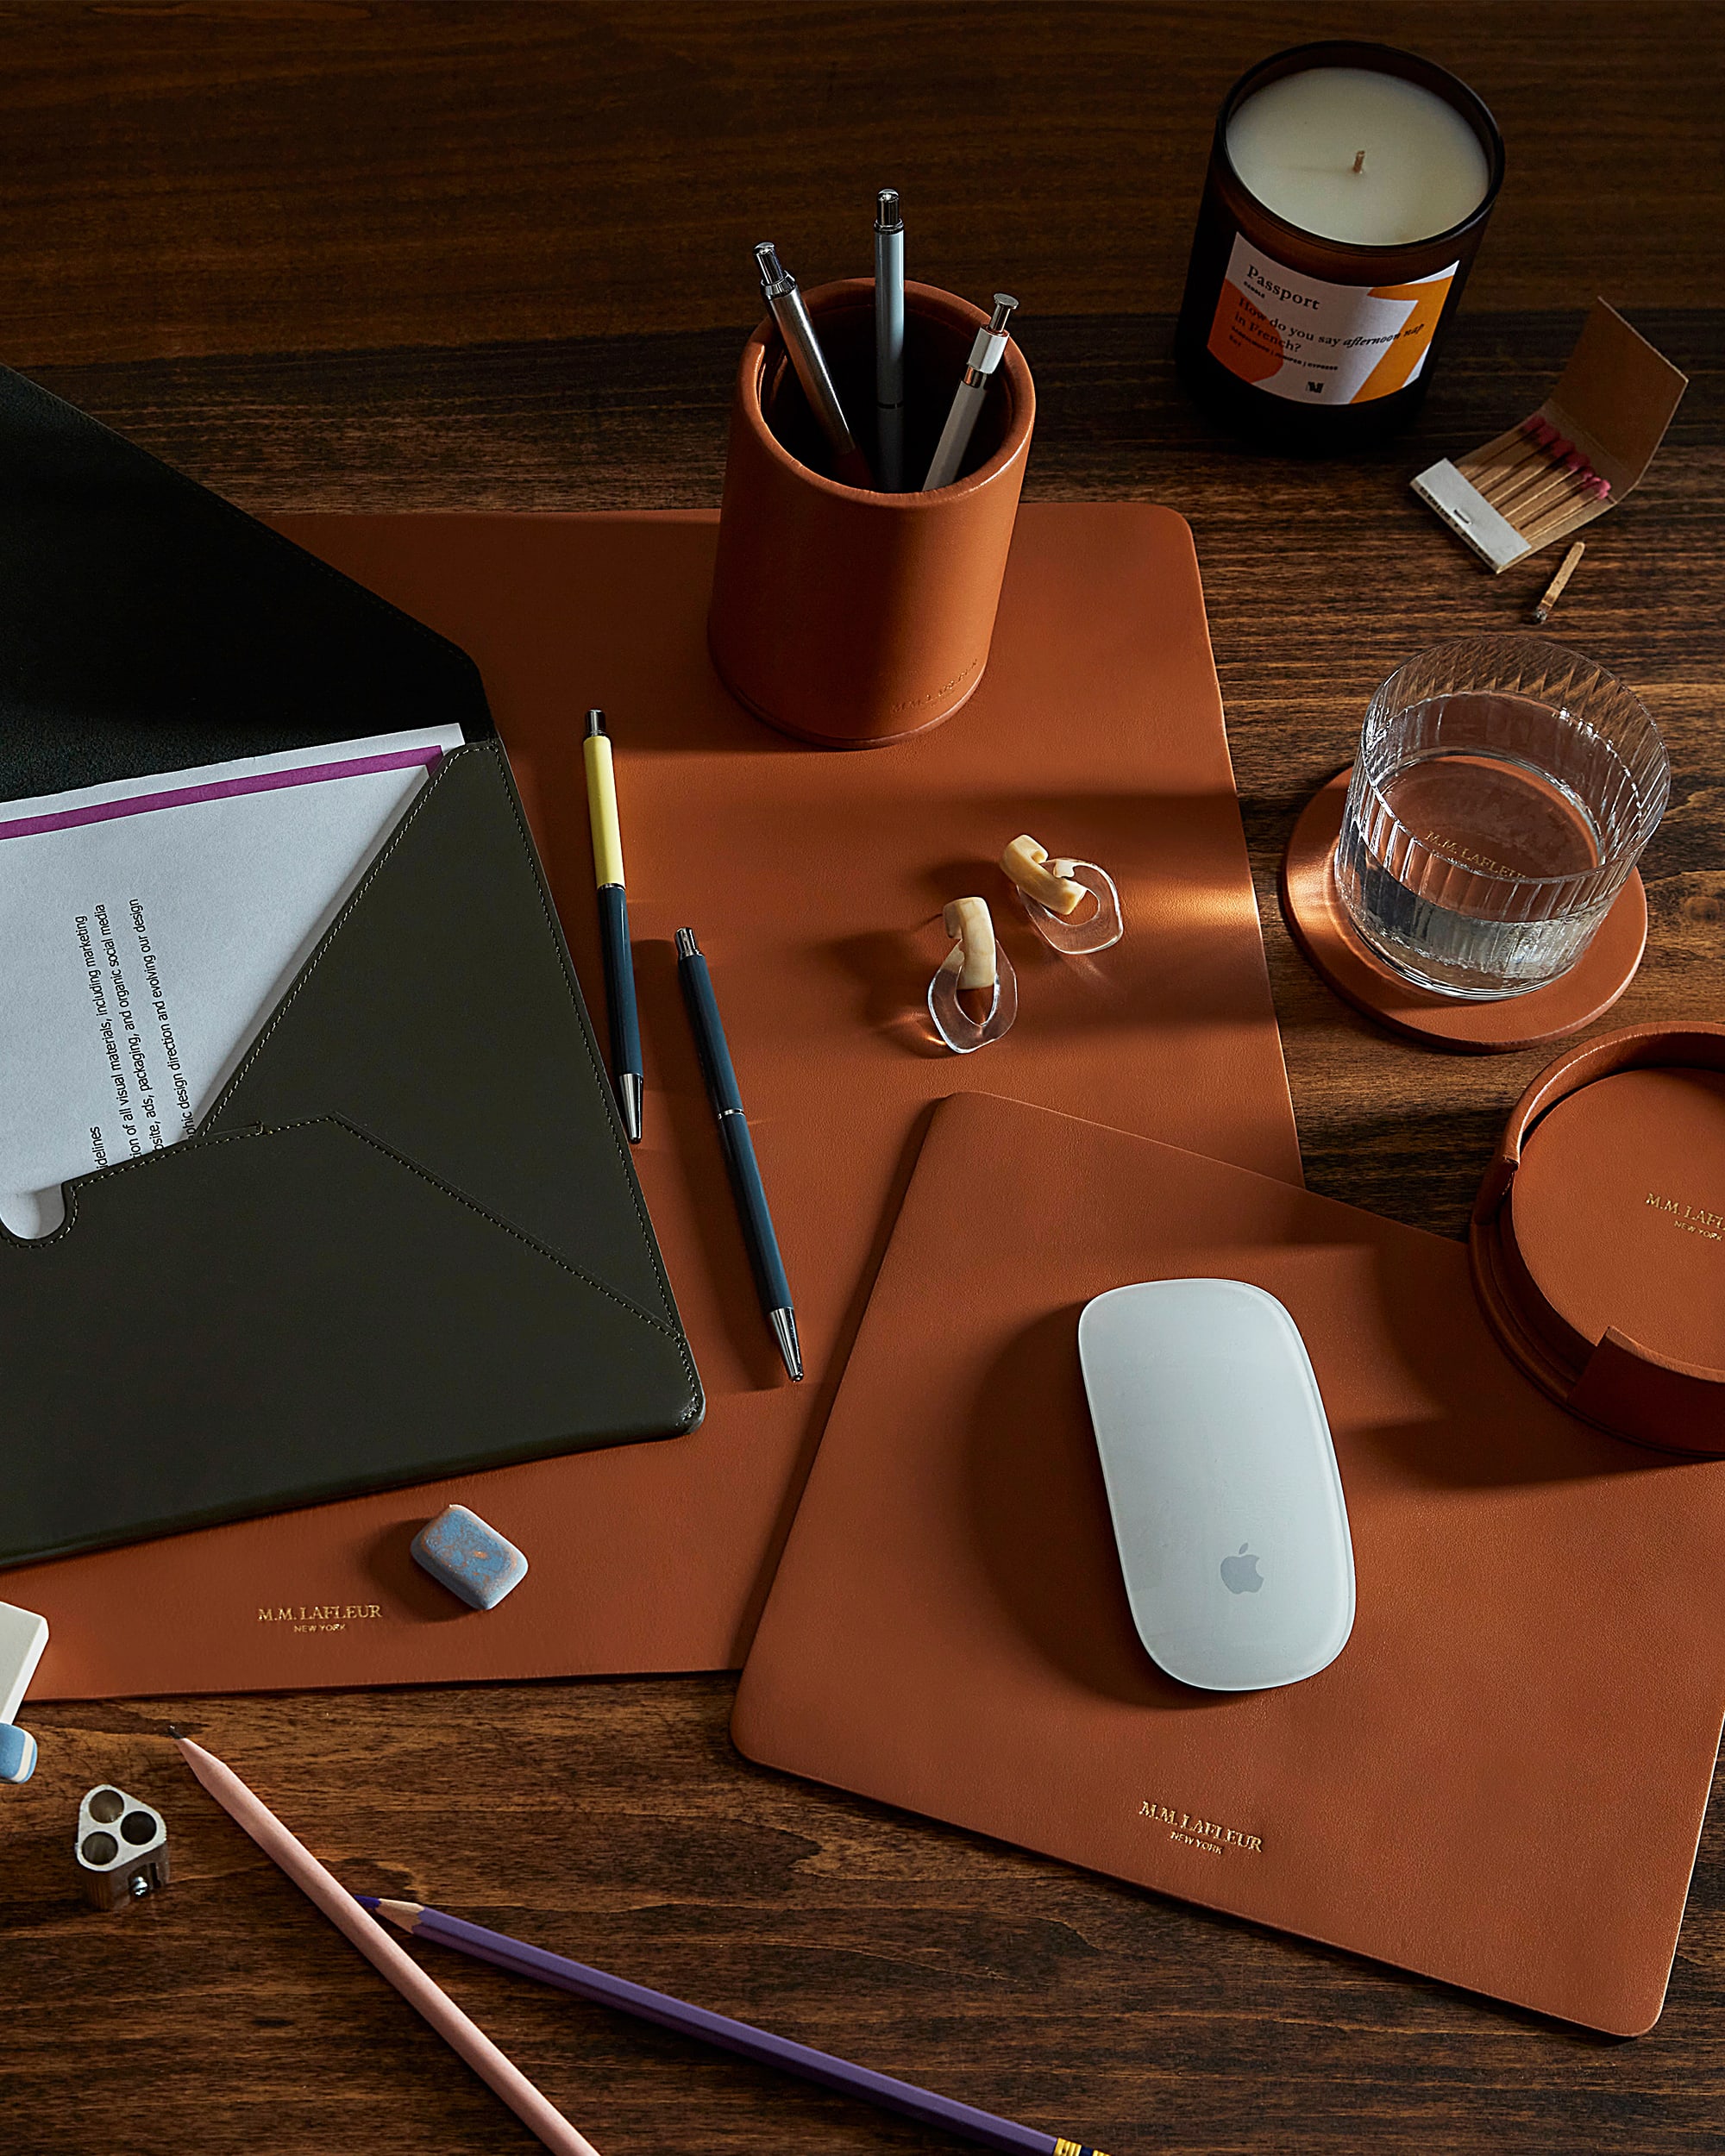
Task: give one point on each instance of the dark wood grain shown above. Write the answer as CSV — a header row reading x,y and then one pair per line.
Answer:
x,y
340,256
214,176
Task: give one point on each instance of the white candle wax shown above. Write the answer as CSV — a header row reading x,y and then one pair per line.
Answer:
x,y
1297,145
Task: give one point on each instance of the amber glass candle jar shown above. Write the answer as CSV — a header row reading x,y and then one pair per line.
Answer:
x,y
1349,188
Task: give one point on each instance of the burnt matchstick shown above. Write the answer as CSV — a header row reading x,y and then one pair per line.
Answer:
x,y
1553,591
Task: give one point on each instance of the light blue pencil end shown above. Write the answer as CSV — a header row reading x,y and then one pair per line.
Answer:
x,y
17,1753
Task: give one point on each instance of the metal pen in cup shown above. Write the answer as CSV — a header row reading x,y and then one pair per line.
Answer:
x,y
889,341
779,289
986,354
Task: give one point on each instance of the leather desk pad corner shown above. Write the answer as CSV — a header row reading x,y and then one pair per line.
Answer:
x,y
815,881
1501,1780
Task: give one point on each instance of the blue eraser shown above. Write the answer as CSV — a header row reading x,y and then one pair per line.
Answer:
x,y
17,1753
471,1559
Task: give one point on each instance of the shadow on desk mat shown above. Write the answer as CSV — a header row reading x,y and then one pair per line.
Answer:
x,y
815,881
1501,1780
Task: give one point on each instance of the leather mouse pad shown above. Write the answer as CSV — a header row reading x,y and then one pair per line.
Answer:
x,y
1501,1780
815,881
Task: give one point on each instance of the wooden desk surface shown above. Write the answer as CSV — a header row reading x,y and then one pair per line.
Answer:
x,y
325,255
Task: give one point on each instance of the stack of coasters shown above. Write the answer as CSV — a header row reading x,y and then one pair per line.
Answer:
x,y
1599,1238
1585,448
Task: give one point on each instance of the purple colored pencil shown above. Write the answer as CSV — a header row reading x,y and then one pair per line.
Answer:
x,y
503,1952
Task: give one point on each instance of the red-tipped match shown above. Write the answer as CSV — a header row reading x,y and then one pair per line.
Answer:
x,y
1598,488
1544,434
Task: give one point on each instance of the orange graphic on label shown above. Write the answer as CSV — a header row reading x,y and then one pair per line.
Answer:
x,y
1243,338
1404,359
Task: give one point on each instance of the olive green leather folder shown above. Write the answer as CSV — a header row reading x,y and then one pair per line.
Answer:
x,y
407,1240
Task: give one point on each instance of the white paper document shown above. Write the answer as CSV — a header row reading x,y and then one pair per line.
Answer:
x,y
148,930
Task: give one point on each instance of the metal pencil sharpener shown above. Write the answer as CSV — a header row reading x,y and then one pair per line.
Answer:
x,y
122,1846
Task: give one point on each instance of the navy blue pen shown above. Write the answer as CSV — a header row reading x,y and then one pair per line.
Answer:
x,y
626,1071
773,1288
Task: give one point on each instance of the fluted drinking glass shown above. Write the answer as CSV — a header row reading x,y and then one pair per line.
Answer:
x,y
1504,788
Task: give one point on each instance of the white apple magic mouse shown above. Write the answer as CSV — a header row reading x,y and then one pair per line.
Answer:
x,y
1222,1481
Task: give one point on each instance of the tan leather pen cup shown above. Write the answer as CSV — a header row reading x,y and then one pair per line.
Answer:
x,y
845,617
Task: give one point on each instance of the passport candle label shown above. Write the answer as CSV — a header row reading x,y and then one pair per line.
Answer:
x,y
1318,343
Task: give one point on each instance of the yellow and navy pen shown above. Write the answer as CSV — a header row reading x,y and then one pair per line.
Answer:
x,y
626,1073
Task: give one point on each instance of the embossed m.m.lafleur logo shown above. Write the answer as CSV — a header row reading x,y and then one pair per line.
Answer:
x,y
1199,1832
317,1616
1693,1219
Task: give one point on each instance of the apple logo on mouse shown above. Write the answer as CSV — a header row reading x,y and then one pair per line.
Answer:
x,y
1241,1575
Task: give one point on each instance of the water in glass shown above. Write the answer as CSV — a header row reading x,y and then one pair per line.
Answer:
x,y
1470,860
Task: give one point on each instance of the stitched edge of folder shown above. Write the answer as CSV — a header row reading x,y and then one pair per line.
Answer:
x,y
409,815
493,751
493,754
193,1146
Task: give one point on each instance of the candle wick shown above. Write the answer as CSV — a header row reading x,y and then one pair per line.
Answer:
x,y
1359,160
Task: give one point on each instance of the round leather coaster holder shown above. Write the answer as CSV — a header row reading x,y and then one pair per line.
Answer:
x,y
1319,925
1598,1236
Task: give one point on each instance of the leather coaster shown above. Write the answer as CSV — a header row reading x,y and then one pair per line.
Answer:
x,y
1319,923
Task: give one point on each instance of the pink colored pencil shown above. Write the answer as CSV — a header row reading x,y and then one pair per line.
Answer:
x,y
463,2037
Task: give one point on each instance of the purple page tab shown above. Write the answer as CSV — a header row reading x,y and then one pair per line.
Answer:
x,y
218,790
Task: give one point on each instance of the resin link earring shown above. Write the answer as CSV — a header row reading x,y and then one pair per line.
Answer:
x,y
974,997
1073,905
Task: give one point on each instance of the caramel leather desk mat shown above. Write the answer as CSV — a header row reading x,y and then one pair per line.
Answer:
x,y
815,881
1501,1780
